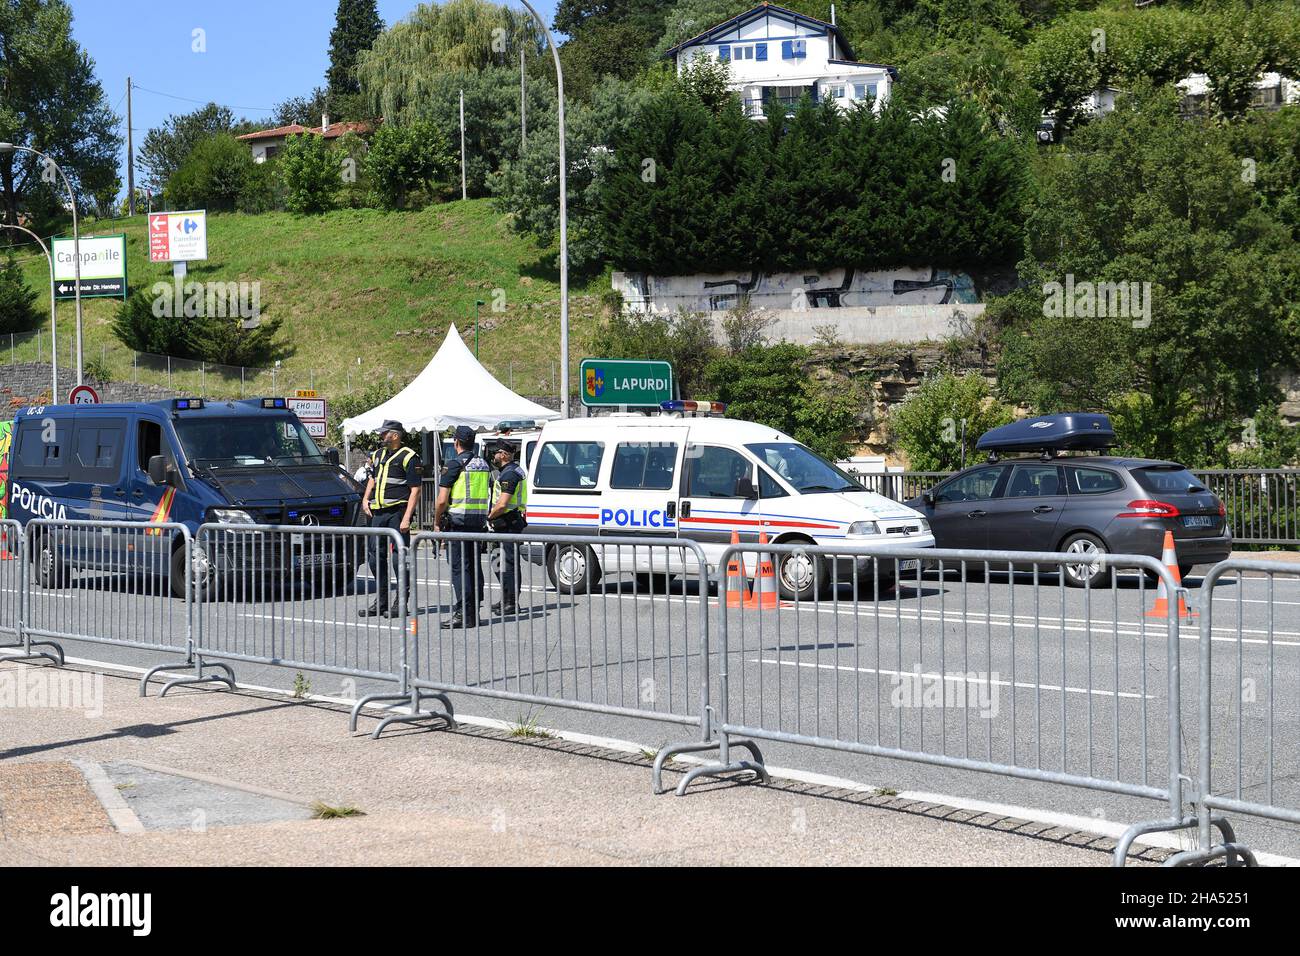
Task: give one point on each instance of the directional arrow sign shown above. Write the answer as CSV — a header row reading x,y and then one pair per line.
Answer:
x,y
103,266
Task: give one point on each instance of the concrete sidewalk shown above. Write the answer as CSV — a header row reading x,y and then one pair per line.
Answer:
x,y
203,777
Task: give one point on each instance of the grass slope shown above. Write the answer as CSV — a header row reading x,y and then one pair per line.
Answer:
x,y
382,286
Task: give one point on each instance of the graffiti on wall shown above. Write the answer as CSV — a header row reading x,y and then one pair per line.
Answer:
x,y
797,291
6,439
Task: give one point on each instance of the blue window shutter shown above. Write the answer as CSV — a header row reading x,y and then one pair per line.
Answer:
x,y
813,91
800,49
724,52
787,49
760,51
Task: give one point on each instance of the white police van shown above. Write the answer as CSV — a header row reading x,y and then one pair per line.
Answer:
x,y
701,478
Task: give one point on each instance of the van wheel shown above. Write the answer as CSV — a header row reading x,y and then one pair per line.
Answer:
x,y
573,569
801,576
48,565
1093,575
204,573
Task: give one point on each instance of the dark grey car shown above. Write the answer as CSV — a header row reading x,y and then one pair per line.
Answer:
x,y
1085,505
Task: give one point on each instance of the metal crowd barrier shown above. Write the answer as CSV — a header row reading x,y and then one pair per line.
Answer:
x,y
260,601
85,581
623,631
1052,689
1252,720
13,599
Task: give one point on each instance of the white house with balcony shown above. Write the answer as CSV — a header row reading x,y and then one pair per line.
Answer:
x,y
775,54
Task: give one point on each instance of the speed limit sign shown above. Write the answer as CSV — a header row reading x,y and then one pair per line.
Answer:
x,y
83,395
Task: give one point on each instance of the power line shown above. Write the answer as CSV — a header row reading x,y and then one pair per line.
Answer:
x,y
187,99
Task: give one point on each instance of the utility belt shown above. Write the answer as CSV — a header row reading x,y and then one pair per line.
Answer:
x,y
511,522
384,509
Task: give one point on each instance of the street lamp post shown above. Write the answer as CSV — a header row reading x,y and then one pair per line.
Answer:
x,y
7,148
54,327
564,221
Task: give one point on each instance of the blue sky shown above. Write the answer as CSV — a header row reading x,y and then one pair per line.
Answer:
x,y
259,52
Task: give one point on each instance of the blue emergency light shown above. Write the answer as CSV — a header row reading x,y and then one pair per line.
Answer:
x,y
186,404
274,403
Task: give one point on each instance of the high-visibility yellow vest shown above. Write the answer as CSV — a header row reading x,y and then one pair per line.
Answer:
x,y
383,481
518,498
470,493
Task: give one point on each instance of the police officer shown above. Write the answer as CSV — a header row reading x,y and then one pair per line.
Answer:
x,y
507,515
463,498
392,492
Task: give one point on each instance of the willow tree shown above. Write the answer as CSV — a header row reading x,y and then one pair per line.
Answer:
x,y
407,60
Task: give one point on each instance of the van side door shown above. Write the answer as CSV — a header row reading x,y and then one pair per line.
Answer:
x,y
711,507
149,502
96,489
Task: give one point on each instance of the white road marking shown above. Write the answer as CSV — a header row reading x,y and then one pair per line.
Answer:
x,y
956,678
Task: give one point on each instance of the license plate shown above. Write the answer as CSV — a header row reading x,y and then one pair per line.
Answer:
x,y
311,560
908,565
1198,521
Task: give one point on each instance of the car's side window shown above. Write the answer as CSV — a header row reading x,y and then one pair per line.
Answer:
x,y
711,471
1092,481
768,486
569,464
977,485
1034,481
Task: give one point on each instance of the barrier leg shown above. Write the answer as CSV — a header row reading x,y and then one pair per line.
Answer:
x,y
722,767
447,715
199,676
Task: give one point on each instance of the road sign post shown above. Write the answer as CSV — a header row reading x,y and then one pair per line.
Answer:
x,y
625,382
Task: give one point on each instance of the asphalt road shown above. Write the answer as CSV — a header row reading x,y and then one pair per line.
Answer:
x,y
999,670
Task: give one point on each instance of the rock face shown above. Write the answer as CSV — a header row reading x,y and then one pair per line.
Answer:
x,y
1290,407
888,374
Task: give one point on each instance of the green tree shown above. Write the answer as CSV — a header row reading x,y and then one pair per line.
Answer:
x,y
1148,198
928,426
356,26
17,300
302,110
143,325
228,342
406,160
213,176
312,174
167,146
684,339
52,102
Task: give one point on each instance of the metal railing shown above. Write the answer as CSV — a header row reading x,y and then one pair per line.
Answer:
x,y
1262,504
1251,719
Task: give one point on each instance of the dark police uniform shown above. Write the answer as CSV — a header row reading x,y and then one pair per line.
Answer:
x,y
466,477
511,481
395,473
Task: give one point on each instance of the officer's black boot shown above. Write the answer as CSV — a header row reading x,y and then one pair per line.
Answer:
x,y
456,620
376,609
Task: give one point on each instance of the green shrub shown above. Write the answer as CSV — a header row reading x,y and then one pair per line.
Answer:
x,y
214,176
928,426
17,300
311,174
142,327
406,161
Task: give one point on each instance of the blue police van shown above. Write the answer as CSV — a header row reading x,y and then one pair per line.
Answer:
x,y
186,461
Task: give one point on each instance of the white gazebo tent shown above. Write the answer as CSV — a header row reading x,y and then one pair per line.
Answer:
x,y
453,389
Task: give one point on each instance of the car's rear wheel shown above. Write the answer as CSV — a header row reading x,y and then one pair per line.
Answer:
x,y
201,567
1094,573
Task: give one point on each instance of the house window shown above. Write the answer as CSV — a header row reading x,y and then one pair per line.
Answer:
x,y
271,151
867,91
837,91
724,53
793,49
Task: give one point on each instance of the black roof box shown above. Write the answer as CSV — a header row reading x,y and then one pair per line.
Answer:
x,y
1070,431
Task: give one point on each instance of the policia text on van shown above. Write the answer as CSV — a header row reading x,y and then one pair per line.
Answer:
x,y
184,461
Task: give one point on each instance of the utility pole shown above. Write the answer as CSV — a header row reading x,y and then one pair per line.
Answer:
x,y
523,104
130,155
463,194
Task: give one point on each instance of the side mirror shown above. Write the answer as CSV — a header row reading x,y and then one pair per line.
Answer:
x,y
745,489
928,498
332,455
158,470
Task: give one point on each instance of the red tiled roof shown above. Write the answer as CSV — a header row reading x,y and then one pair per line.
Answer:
x,y
335,130
289,130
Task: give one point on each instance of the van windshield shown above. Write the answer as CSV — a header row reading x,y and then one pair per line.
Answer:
x,y
803,468
247,442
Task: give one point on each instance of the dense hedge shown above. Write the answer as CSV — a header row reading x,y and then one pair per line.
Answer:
x,y
693,190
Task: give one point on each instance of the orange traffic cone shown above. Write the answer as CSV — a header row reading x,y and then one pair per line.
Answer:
x,y
737,584
764,597
1170,558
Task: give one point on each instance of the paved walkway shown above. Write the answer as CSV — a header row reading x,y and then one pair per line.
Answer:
x,y
204,777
